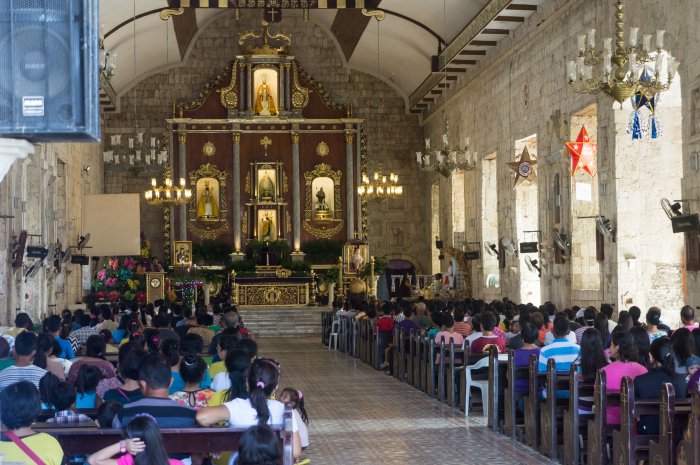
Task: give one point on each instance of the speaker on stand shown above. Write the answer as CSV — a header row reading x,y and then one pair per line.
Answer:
x,y
49,71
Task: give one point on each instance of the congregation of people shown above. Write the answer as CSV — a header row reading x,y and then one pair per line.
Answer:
x,y
142,368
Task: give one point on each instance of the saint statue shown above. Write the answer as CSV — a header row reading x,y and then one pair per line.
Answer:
x,y
266,188
357,260
322,210
206,205
266,228
264,102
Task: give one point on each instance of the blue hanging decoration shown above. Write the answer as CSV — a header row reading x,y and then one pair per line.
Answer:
x,y
635,126
654,124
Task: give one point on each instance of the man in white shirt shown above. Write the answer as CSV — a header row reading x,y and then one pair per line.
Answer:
x,y
23,369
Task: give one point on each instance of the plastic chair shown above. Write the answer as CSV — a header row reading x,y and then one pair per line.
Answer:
x,y
333,341
483,385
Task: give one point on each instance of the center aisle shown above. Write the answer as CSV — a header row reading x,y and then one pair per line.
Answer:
x,y
360,416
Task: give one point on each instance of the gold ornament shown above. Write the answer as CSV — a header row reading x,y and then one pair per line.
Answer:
x,y
322,149
209,149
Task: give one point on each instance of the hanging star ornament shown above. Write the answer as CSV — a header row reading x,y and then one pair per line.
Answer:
x,y
583,153
524,168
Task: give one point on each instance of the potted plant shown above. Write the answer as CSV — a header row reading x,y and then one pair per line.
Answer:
x,y
330,278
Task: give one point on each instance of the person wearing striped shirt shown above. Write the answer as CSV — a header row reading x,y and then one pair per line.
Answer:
x,y
561,350
23,369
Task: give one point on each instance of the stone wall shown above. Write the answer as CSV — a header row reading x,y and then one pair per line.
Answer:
x,y
397,229
519,90
44,193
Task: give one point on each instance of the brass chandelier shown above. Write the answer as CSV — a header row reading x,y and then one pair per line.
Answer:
x,y
380,187
628,69
447,160
168,194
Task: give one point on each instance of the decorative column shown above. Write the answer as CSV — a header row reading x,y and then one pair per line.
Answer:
x,y
242,93
282,100
296,193
287,90
350,183
182,173
249,90
236,184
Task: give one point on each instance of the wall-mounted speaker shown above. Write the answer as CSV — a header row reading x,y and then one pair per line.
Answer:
x,y
80,259
49,73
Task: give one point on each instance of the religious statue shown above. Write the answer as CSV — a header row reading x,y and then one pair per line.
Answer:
x,y
357,260
405,288
207,208
266,228
264,102
266,188
322,210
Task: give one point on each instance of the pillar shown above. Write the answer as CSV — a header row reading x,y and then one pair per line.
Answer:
x,y
282,96
287,86
182,173
242,92
236,184
249,88
350,183
296,192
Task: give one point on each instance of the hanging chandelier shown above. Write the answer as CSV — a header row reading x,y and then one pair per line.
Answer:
x,y
168,194
626,70
447,160
380,187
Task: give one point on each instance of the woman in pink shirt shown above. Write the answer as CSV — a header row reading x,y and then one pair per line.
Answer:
x,y
624,351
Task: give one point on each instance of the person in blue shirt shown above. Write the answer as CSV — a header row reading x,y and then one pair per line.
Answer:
x,y
54,327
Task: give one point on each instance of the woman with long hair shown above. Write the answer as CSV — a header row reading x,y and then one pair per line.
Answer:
x,y
192,369
624,351
142,445
648,386
683,348
258,409
591,359
95,352
641,340
46,353
601,324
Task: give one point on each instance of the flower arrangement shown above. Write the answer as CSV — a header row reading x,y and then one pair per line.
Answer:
x,y
118,280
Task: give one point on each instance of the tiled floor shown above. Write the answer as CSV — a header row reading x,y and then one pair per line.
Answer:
x,y
361,416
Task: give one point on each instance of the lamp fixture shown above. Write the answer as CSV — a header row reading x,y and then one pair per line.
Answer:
x,y
447,160
628,69
168,194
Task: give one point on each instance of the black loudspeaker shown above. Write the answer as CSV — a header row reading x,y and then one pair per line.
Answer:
x,y
80,259
49,70
528,247
473,255
685,223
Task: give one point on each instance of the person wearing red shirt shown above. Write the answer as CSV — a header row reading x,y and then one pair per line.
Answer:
x,y
488,323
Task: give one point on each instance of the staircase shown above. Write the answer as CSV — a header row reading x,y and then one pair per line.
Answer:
x,y
282,321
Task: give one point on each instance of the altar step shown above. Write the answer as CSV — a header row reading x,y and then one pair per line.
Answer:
x,y
283,321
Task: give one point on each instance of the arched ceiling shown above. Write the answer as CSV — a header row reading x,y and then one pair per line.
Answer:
x,y
407,41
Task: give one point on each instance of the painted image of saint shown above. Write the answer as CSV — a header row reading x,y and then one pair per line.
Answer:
x,y
264,101
266,188
182,256
207,208
266,228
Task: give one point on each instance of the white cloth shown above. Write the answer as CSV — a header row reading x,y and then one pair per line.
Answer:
x,y
242,414
221,382
303,430
549,338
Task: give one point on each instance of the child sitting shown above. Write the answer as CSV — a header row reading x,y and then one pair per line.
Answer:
x,y
295,399
192,369
63,402
106,413
86,383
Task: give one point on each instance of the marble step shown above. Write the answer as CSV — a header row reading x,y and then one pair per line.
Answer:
x,y
282,321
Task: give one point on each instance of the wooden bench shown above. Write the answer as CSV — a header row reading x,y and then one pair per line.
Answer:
x,y
599,432
552,410
689,445
628,446
510,418
44,415
498,365
673,417
417,341
532,403
82,440
575,423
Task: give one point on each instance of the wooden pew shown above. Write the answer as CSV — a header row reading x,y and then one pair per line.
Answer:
x,y
395,352
410,357
673,418
81,440
495,390
456,358
417,359
511,425
599,432
629,447
532,403
575,424
552,410
430,375
441,395
44,415
425,363
689,445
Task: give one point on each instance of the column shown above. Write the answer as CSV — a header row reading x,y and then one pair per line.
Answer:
x,y
296,193
236,185
350,183
182,173
241,92
287,86
249,88
282,100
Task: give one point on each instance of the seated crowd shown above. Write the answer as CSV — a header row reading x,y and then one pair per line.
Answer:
x,y
648,351
175,368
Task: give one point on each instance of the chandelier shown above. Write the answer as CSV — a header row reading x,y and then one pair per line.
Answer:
x,y
447,160
628,69
380,187
167,194
107,64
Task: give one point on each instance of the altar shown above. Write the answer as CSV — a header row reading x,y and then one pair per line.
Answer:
x,y
278,292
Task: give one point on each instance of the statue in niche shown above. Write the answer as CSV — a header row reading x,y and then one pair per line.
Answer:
x,y
357,261
207,208
266,232
264,103
266,188
322,210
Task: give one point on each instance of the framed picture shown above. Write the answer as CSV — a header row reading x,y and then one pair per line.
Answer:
x,y
182,253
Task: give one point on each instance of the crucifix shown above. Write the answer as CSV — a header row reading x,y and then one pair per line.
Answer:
x,y
265,142
273,15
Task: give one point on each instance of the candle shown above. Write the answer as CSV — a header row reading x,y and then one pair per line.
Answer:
x,y
646,45
607,64
453,156
571,70
672,66
426,160
591,39
581,43
131,142
444,139
659,63
427,143
634,35
153,141
607,44
633,63
660,39
153,182
589,72
419,157
580,65
466,141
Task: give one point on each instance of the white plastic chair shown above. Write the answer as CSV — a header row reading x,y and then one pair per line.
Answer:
x,y
483,385
333,341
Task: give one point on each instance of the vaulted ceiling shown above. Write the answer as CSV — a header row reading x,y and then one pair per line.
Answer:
x,y
455,34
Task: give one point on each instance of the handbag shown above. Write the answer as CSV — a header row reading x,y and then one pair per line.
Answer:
x,y
30,453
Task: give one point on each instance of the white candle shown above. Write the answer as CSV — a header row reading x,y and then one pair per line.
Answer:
x,y
607,64
634,35
580,65
589,72
444,139
660,34
633,63
426,160
591,39
646,42
659,63
453,156
581,43
427,143
131,142
466,141
607,44
419,157
672,66
153,141
571,70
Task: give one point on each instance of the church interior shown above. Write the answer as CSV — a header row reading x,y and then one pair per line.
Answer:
x,y
317,166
